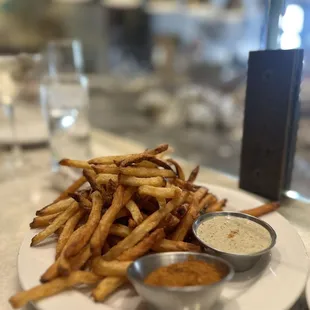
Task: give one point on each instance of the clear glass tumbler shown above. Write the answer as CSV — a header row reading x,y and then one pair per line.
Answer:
x,y
65,103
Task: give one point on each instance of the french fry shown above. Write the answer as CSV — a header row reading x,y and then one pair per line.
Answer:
x,y
57,223
43,221
143,172
187,221
56,207
90,176
161,202
76,262
169,222
158,192
263,209
71,189
144,158
145,227
105,178
110,269
180,172
110,284
217,206
207,201
143,246
53,287
107,286
79,238
166,245
101,233
106,169
181,211
122,213
75,163
135,212
119,230
134,181
67,231
193,175
82,201
111,159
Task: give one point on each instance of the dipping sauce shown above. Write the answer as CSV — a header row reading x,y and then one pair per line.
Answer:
x,y
234,235
188,273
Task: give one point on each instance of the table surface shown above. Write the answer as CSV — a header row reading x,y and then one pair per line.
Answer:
x,y
22,195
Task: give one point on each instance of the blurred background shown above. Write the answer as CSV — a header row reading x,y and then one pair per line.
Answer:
x,y
157,71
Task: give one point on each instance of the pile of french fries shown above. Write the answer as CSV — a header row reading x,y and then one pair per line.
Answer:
x,y
121,208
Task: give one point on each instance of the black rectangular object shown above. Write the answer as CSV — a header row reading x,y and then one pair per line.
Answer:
x,y
270,121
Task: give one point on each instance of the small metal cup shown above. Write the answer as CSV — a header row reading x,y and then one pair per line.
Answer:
x,y
240,262
176,298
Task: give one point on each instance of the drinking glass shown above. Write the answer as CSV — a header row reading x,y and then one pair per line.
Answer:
x,y
9,92
64,99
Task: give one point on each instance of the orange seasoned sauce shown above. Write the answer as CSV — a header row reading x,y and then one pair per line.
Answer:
x,y
188,273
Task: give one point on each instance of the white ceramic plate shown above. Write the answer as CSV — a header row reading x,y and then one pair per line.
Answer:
x,y
308,292
275,283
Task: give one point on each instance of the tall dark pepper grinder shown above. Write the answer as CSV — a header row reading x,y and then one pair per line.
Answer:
x,y
271,119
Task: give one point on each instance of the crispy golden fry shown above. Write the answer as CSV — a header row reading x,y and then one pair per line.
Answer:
x,y
169,222
76,262
119,230
110,284
144,158
143,246
112,159
67,231
107,286
134,181
186,185
175,246
57,223
79,238
53,287
263,209
193,175
71,189
56,207
79,260
146,164
180,172
217,206
122,213
103,179
83,201
161,202
106,247
43,221
106,169
145,227
181,211
135,212
113,268
187,221
207,201
90,176
75,163
158,192
101,233
143,172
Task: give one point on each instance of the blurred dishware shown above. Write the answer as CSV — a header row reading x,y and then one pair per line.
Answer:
x,y
177,298
241,261
64,99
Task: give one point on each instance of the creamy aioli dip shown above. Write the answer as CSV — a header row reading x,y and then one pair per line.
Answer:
x,y
234,235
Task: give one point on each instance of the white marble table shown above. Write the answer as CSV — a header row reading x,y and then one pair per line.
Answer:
x,y
22,196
